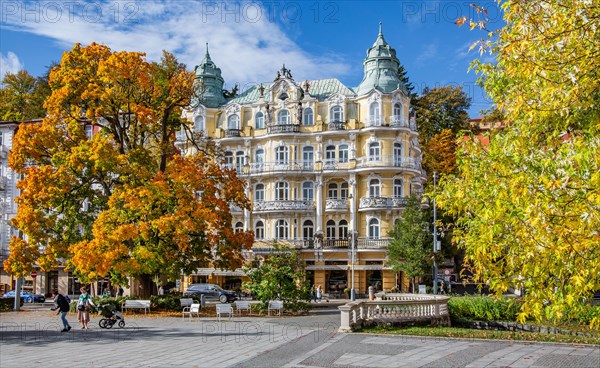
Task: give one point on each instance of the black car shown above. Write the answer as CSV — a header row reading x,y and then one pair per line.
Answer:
x,y
211,292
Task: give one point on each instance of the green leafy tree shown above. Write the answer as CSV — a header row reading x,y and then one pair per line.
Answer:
x,y
280,277
528,204
410,250
441,108
22,96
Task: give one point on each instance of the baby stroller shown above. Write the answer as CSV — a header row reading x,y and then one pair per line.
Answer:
x,y
111,316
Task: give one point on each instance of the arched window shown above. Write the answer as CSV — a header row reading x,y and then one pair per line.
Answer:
x,y
308,157
239,161
281,191
307,230
330,229
283,117
307,116
397,110
343,153
307,191
330,156
239,227
281,155
259,230
281,229
332,191
233,122
229,159
259,193
344,190
259,120
259,156
374,114
373,228
343,229
374,188
398,188
397,154
199,124
374,151
336,114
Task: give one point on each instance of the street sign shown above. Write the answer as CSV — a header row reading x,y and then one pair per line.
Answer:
x,y
33,274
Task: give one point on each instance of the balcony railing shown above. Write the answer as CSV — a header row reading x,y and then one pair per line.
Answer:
x,y
333,164
336,204
283,128
382,202
373,243
374,121
266,167
336,125
393,161
233,133
284,205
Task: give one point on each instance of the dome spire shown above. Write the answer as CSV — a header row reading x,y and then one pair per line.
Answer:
x,y
380,28
210,82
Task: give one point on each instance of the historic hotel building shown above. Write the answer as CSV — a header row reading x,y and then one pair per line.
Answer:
x,y
329,167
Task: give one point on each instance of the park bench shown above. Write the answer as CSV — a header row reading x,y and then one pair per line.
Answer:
x,y
275,306
194,308
187,302
241,305
224,309
136,304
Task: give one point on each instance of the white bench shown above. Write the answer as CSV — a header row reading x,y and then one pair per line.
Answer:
x,y
192,309
241,305
224,309
136,304
276,306
187,302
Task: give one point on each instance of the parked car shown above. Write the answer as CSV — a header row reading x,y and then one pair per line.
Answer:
x,y
27,297
211,292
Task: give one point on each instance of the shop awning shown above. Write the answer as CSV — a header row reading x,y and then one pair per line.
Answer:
x,y
237,273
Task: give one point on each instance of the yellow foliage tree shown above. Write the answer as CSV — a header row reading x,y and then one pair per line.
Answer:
x,y
528,205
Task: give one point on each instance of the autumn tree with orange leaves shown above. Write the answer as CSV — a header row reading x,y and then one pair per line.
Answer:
x,y
125,202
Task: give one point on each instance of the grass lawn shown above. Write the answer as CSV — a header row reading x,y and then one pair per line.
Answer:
x,y
481,334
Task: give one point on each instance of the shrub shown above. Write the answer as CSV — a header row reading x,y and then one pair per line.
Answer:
x,y
167,302
7,304
483,308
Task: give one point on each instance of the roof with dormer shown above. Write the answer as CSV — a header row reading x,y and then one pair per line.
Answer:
x,y
320,89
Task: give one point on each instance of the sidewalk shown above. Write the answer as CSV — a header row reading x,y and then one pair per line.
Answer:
x,y
32,337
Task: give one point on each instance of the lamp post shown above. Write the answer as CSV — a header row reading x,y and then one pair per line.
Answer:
x,y
435,246
354,240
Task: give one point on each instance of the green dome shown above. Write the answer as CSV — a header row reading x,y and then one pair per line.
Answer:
x,y
380,68
209,82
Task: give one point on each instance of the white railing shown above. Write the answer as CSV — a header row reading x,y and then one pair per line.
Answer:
x,y
336,204
374,121
284,205
401,307
382,202
396,161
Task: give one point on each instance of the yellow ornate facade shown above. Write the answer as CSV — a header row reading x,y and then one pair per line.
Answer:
x,y
328,167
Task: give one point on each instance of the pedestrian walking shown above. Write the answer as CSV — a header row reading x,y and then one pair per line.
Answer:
x,y
313,293
62,304
319,293
83,308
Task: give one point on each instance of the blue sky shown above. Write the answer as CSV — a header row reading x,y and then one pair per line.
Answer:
x,y
250,41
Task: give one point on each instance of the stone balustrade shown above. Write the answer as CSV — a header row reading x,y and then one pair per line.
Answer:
x,y
396,308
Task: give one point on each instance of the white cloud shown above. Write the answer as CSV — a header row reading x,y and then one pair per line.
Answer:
x,y
9,64
244,40
428,52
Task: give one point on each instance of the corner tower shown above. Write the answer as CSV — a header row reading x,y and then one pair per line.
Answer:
x,y
209,82
380,68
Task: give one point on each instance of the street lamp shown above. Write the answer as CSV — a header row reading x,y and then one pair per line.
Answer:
x,y
353,240
435,244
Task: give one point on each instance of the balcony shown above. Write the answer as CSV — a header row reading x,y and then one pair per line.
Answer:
x,y
389,161
386,203
336,125
374,121
336,204
268,167
303,205
332,164
233,133
373,243
283,128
